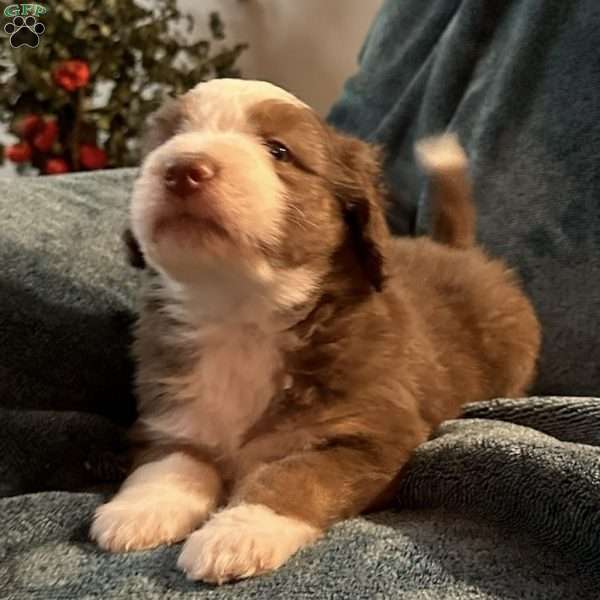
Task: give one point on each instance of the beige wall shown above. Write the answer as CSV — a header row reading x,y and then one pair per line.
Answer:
x,y
307,46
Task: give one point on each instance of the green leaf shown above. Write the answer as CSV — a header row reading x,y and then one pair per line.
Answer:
x,y
66,14
76,5
216,26
129,45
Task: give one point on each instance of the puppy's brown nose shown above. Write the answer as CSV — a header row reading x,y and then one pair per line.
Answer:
x,y
185,176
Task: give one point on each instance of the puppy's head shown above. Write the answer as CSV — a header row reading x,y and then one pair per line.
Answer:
x,y
243,181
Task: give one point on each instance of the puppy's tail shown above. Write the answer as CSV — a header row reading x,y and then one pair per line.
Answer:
x,y
453,218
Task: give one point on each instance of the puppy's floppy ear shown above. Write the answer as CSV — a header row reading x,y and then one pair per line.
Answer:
x,y
133,251
361,194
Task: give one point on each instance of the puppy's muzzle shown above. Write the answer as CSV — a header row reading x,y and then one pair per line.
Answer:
x,y
188,175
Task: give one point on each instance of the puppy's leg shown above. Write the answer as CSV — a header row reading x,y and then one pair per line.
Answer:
x,y
283,506
161,502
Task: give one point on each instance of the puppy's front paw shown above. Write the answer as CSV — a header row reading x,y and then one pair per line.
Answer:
x,y
243,541
145,518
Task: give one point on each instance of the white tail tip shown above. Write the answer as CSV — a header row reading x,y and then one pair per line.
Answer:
x,y
440,153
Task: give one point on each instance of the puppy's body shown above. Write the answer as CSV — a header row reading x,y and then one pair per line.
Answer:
x,y
290,377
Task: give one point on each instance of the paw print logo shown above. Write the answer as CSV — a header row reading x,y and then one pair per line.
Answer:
x,y
24,32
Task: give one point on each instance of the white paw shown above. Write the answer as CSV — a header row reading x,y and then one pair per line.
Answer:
x,y
160,503
243,541
145,518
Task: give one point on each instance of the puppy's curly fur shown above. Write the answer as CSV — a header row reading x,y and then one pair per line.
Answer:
x,y
291,353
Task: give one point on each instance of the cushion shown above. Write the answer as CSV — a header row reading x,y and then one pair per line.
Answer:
x,y
66,304
66,294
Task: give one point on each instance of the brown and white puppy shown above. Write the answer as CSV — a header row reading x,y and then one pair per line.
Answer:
x,y
291,354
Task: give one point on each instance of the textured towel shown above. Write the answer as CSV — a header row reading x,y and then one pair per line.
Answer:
x,y
518,80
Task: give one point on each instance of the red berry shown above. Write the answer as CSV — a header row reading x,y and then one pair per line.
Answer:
x,y
28,126
72,74
44,140
92,157
18,153
55,166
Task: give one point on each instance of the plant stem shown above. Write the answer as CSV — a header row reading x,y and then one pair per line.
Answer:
x,y
76,130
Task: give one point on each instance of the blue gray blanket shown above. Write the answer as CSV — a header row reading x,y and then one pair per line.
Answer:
x,y
488,509
502,504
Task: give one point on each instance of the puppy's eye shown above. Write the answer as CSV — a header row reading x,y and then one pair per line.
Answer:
x,y
278,151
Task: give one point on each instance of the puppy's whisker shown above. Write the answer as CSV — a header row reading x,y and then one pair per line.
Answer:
x,y
299,217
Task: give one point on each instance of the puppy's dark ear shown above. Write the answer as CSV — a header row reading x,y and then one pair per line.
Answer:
x,y
133,251
161,125
361,194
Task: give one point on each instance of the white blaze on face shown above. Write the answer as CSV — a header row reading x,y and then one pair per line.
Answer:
x,y
223,103
246,196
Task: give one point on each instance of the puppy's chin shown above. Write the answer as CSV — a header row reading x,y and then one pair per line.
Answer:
x,y
194,251
195,234
180,244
